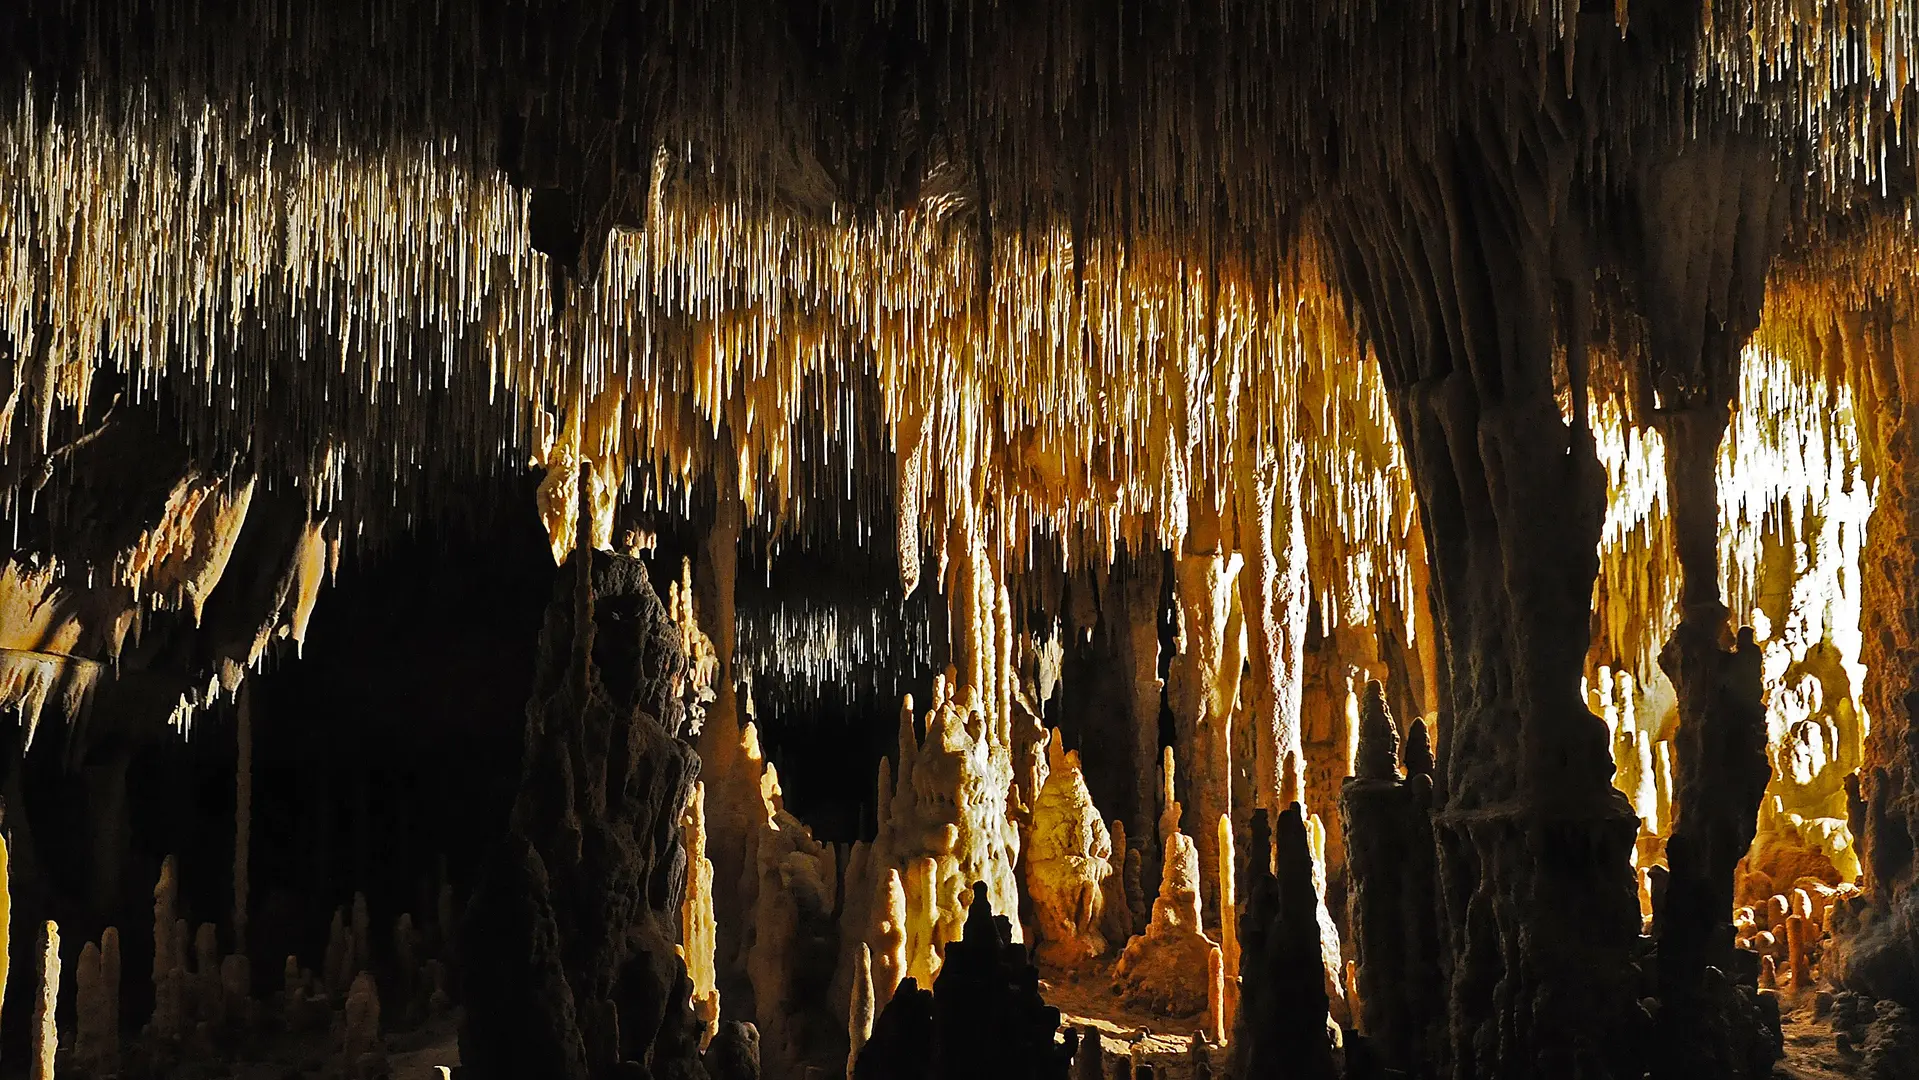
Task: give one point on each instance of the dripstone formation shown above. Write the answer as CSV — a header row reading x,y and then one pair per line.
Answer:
x,y
1304,537
568,942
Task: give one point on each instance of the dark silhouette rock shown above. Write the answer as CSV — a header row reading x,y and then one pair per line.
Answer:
x,y
1392,912
1283,1006
984,1016
570,971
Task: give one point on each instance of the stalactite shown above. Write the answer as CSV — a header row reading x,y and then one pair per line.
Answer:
x,y
1273,595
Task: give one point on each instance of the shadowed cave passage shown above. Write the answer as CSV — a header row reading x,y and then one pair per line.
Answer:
x,y
623,538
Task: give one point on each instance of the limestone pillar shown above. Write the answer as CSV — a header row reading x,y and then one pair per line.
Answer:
x,y
732,796
1204,689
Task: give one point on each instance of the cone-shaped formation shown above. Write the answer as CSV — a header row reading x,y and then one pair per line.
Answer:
x,y
1391,907
984,1016
1283,1023
568,942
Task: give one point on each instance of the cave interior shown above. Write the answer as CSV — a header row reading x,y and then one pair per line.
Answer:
x,y
919,539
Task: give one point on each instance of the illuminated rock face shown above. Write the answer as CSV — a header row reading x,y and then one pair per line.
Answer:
x,y
1203,689
1164,970
1881,957
1068,865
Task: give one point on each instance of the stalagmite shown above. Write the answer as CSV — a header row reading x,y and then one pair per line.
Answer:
x,y
922,914
236,986
46,1037
1228,929
1067,865
1282,1028
793,907
360,1029
169,958
209,995
96,1009
889,959
360,944
1090,1061
734,801
335,970
859,1026
1118,924
1798,964
1216,1009
697,934
1392,932
6,911
1164,969
567,959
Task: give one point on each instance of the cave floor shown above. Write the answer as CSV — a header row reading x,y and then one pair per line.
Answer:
x,y
1086,999
410,1055
1811,1053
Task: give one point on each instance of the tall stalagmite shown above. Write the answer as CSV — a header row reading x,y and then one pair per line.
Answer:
x,y
1283,1024
46,1035
1392,907
570,968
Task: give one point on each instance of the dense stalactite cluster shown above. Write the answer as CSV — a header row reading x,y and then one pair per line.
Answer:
x,y
1517,383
